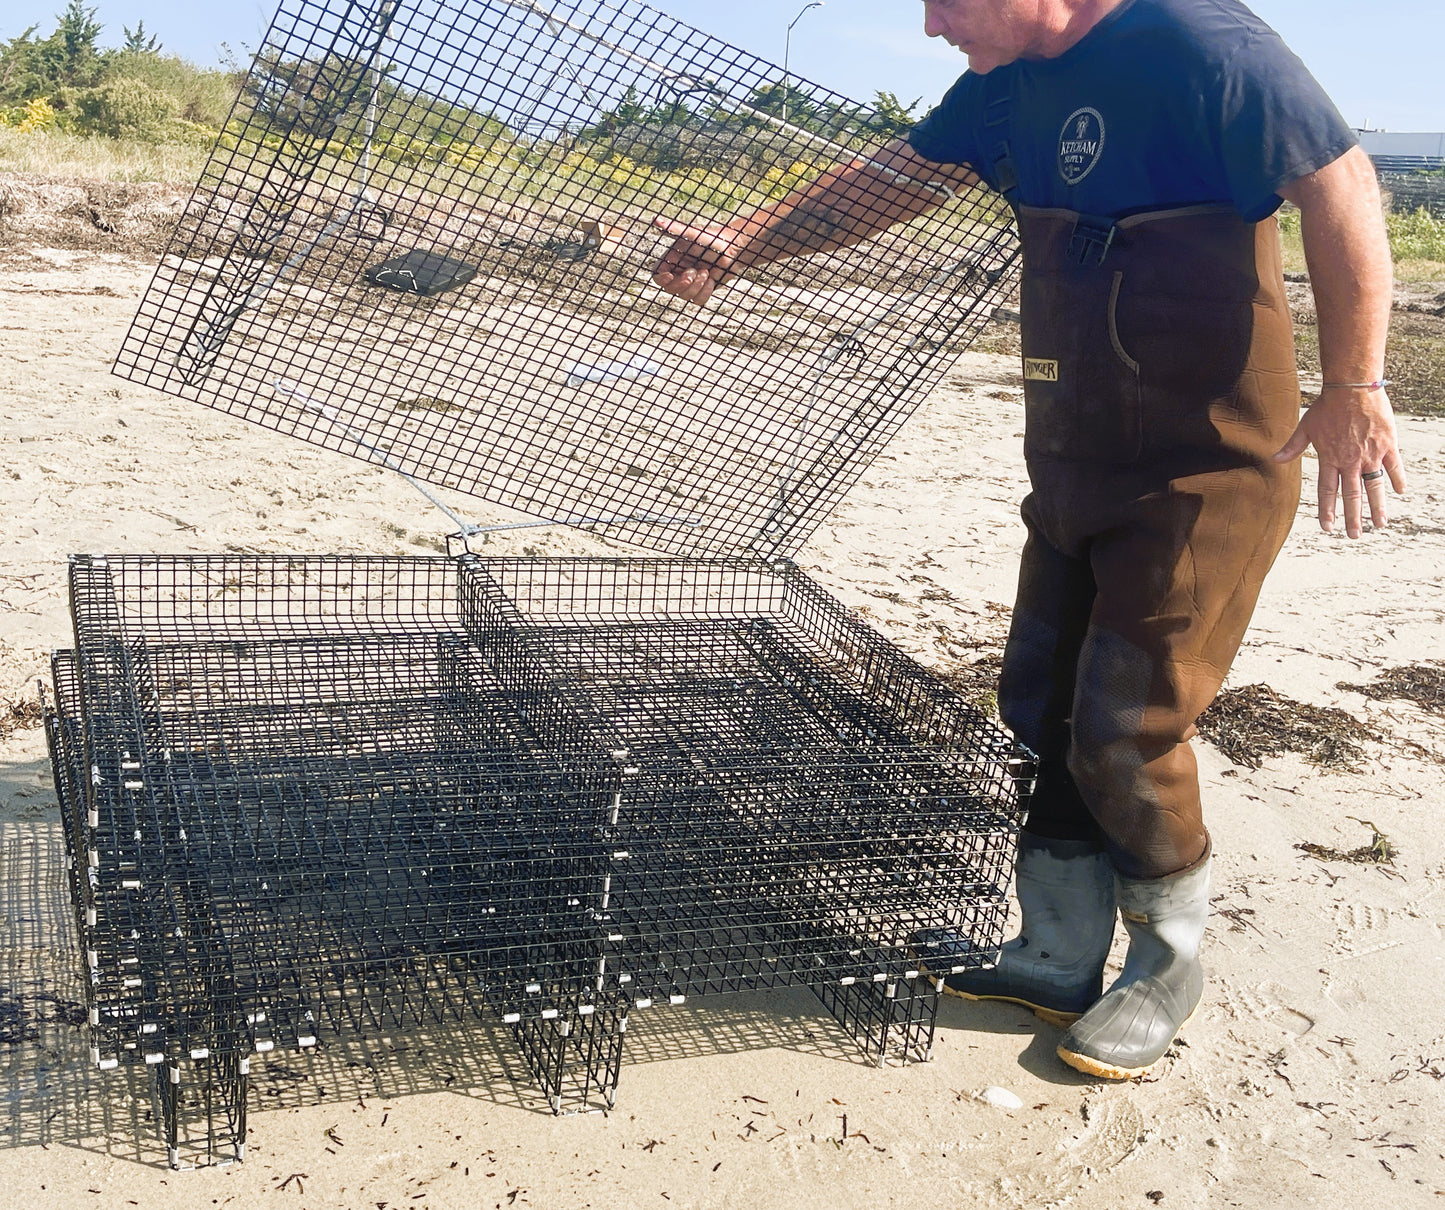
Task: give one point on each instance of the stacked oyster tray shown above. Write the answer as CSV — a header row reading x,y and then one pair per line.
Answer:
x,y
310,797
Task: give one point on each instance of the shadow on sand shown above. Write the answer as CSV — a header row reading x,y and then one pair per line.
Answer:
x,y
54,1095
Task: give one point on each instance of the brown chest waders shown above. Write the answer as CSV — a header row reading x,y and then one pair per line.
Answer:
x,y
1160,378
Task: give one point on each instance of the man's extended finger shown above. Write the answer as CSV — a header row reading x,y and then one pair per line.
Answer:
x,y
675,227
702,241
1327,490
1395,468
1375,494
1352,493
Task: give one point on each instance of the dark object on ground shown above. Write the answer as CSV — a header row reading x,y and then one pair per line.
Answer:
x,y
1254,722
421,272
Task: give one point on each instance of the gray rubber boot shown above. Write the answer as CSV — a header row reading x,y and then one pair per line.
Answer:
x,y
1055,965
1129,1030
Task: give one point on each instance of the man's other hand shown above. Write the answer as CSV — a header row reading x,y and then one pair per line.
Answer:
x,y
1351,425
1353,432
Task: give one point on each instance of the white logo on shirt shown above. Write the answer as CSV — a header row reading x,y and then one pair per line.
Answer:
x,y
1081,144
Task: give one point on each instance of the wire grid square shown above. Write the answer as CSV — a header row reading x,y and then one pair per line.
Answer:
x,y
536,145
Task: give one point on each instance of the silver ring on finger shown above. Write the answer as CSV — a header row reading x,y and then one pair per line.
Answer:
x,y
1371,476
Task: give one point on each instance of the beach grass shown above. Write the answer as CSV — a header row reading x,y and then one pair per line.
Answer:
x,y
1417,244
58,153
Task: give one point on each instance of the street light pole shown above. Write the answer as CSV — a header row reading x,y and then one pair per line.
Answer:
x,y
787,45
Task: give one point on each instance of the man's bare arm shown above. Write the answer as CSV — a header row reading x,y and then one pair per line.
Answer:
x,y
1352,427
844,206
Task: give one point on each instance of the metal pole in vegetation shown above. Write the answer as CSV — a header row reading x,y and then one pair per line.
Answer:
x,y
787,47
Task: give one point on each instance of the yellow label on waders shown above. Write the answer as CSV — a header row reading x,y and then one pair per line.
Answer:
x,y
1037,369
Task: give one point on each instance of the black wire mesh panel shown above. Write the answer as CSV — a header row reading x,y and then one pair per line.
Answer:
x,y
425,239
318,796
801,798
219,1081
309,815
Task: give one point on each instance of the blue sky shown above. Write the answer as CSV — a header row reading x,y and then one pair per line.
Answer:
x,y
1381,62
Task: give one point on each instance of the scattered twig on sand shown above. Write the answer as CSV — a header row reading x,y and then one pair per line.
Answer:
x,y
1380,850
1254,722
1434,1068
1238,918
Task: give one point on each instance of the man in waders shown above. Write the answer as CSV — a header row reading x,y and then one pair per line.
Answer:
x,y
1144,146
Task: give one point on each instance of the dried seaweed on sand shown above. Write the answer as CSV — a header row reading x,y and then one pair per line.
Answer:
x,y
1254,722
1422,683
1380,851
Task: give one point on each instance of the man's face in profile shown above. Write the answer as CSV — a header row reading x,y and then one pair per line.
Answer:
x,y
990,32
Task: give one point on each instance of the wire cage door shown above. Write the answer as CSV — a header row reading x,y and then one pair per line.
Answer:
x,y
426,237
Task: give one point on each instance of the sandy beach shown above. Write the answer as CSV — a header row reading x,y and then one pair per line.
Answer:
x,y
1313,1074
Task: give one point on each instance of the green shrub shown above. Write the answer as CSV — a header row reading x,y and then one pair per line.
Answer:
x,y
125,109
1417,236
205,95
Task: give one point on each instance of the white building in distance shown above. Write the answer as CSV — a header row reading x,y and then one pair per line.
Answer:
x,y
1403,152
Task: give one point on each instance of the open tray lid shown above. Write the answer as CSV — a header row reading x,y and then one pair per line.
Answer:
x,y
425,239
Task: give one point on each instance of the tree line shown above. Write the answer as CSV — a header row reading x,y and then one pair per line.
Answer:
x,y
65,80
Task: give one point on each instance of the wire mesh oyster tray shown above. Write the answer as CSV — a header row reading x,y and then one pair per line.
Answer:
x,y
426,238
321,796
308,797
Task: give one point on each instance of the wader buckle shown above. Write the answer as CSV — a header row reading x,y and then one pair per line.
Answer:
x,y
1091,241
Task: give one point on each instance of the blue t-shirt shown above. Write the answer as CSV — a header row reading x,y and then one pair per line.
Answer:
x,y
1164,103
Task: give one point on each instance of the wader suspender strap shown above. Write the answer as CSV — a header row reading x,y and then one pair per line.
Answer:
x,y
996,125
1089,244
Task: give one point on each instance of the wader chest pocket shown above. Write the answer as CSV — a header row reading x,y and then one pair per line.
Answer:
x,y
1081,387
